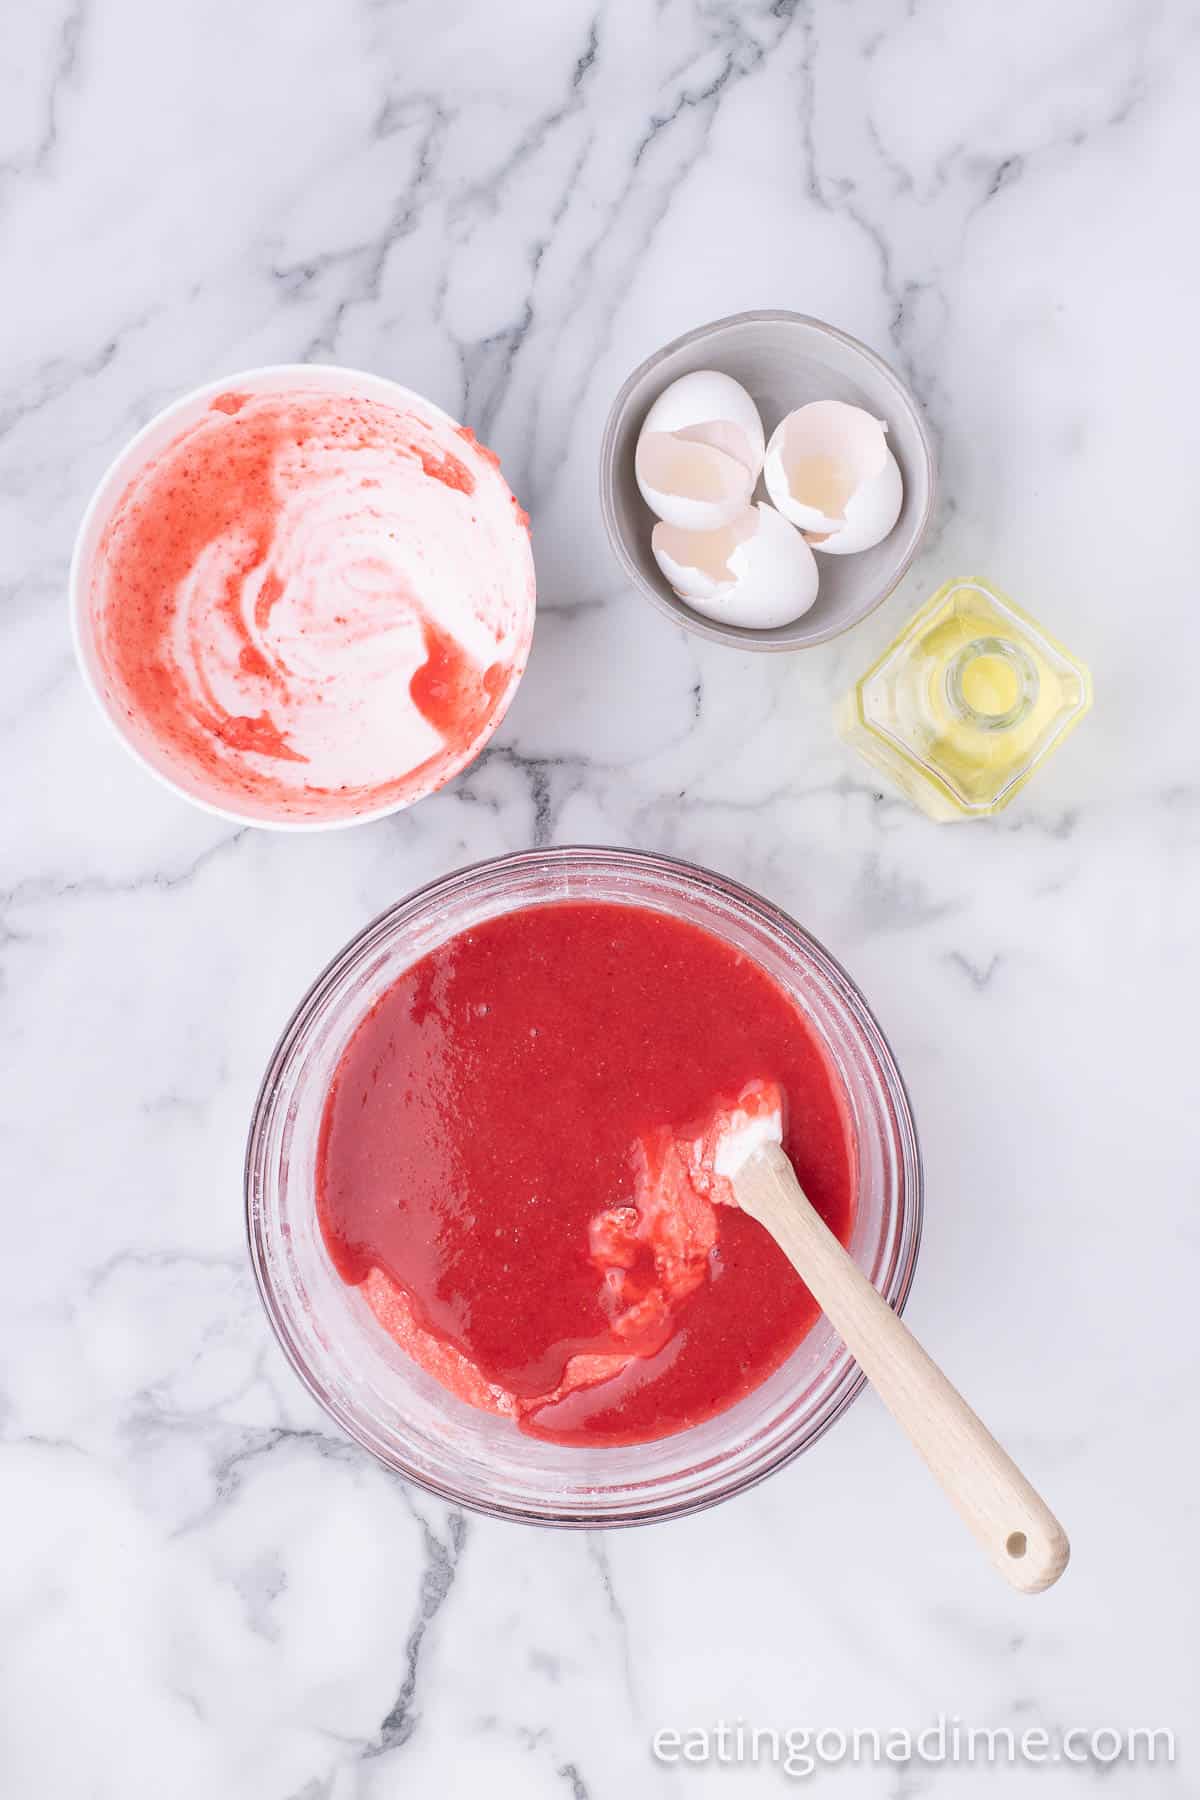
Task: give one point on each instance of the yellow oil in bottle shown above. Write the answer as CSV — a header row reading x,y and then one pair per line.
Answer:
x,y
965,705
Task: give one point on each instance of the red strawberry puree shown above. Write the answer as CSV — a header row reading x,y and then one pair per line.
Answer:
x,y
509,1166
310,606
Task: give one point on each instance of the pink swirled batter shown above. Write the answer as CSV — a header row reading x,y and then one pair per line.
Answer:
x,y
311,606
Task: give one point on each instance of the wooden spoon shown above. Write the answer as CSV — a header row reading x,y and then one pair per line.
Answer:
x,y
1011,1521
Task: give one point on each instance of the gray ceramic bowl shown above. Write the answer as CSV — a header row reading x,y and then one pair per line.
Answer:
x,y
784,360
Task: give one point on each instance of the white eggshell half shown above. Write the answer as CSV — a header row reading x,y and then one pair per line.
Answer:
x,y
870,514
704,402
827,458
689,484
756,572
698,564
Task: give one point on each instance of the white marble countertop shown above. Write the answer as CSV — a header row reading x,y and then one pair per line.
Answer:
x,y
205,1590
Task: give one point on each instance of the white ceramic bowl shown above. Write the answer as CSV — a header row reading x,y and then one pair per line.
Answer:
x,y
137,736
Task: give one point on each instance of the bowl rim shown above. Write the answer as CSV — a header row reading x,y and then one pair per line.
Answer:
x,y
908,1243
742,637
338,378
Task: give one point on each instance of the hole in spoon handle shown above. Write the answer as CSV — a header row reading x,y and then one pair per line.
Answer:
x,y
1032,1555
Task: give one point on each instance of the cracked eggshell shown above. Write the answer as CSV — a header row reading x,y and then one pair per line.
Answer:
x,y
709,403
700,451
692,485
756,572
828,469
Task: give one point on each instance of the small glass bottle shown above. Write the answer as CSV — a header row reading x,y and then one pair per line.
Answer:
x,y
968,701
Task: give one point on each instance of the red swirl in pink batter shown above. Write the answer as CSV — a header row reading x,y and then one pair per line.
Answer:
x,y
310,606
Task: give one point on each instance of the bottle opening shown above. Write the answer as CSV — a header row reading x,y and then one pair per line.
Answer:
x,y
992,683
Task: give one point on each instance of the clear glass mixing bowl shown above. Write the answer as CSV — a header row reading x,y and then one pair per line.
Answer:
x,y
404,1417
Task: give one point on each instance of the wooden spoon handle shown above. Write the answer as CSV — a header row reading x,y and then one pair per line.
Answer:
x,y
1008,1517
